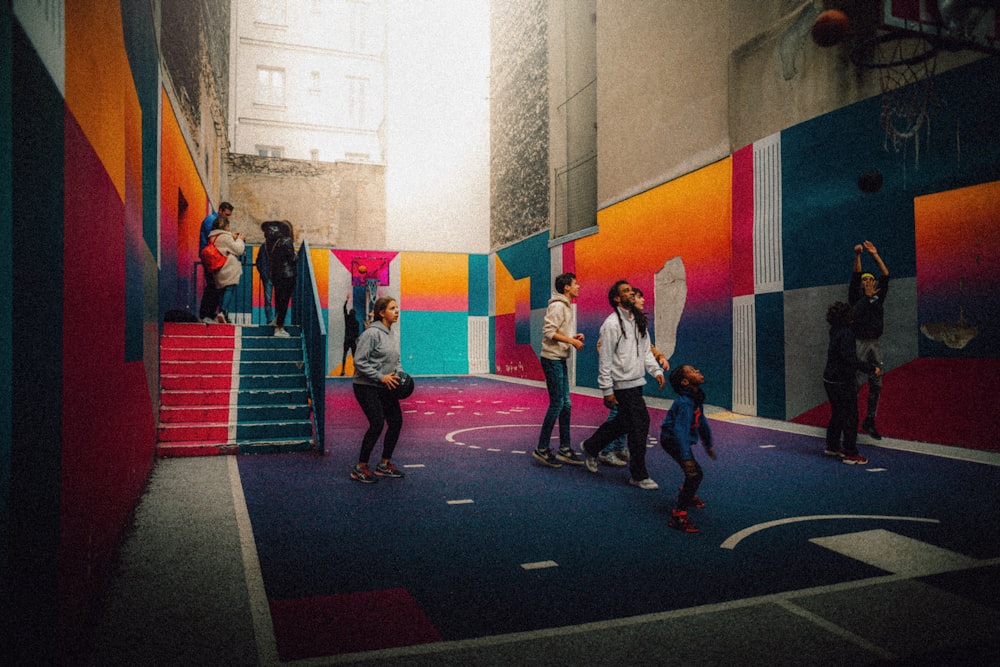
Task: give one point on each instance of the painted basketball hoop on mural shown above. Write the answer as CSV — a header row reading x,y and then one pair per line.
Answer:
x,y
370,273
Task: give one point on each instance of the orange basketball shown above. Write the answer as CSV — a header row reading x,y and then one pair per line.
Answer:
x,y
362,268
830,28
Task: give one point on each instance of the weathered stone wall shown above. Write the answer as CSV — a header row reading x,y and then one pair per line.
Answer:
x,y
333,204
519,178
195,52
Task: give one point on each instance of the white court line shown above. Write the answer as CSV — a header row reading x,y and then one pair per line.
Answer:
x,y
836,630
736,538
539,565
260,610
464,501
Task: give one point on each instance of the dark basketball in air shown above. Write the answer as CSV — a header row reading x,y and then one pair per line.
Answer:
x,y
405,386
870,181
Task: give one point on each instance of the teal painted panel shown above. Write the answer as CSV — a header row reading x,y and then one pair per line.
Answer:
x,y
479,285
434,343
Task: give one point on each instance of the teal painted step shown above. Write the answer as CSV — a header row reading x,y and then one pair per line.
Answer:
x,y
250,376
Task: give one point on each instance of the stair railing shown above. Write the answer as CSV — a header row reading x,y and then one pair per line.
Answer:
x,y
307,312
243,311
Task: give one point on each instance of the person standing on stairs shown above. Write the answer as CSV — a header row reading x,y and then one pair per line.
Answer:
x,y
376,364
232,245
280,248
210,296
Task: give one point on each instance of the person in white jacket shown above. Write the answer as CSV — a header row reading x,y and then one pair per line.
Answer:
x,y
625,357
232,245
559,339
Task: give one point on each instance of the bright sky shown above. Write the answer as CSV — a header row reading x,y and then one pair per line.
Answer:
x,y
438,126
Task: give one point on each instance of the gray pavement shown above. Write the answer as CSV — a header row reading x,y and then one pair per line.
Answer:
x,y
187,591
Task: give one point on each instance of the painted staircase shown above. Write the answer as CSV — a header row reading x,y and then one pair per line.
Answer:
x,y
230,389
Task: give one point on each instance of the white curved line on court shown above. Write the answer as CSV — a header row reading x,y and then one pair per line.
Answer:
x,y
450,437
736,538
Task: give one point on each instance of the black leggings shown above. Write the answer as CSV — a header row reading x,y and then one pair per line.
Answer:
x,y
692,472
381,407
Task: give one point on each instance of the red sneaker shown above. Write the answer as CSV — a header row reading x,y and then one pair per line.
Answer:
x,y
679,520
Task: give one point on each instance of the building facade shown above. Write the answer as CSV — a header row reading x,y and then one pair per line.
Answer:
x,y
308,80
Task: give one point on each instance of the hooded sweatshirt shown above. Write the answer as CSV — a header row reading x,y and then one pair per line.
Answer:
x,y
377,355
559,317
626,356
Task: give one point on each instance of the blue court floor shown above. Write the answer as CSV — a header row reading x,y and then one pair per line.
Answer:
x,y
480,556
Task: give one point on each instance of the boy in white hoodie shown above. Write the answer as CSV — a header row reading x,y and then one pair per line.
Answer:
x,y
626,356
559,338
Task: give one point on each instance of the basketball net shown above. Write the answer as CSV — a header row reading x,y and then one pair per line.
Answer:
x,y
906,77
371,285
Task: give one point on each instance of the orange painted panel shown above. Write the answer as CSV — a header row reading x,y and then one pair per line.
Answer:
x,y
98,79
434,281
506,294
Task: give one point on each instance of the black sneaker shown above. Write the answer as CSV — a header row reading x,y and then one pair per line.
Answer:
x,y
869,426
567,455
387,470
547,458
362,473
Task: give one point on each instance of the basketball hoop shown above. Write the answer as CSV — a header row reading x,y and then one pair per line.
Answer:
x,y
905,63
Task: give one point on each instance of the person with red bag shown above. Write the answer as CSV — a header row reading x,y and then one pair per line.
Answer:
x,y
228,276
210,296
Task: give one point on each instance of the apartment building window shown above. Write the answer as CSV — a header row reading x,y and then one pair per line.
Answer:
x,y
269,151
357,91
270,86
271,12
358,24
314,82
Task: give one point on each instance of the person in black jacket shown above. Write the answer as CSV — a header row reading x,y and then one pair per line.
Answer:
x,y
281,260
842,365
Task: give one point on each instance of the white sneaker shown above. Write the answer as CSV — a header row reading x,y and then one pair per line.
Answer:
x,y
281,333
611,459
207,320
647,484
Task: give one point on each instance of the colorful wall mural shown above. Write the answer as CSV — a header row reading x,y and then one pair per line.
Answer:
x,y
433,291
83,342
763,242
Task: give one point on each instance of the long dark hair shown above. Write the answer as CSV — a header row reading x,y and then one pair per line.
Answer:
x,y
640,317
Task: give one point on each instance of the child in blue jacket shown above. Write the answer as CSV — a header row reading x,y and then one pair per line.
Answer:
x,y
682,427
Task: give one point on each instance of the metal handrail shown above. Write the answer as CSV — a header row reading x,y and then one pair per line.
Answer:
x,y
307,311
244,312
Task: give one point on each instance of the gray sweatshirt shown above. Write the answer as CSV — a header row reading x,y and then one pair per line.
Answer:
x,y
625,356
377,355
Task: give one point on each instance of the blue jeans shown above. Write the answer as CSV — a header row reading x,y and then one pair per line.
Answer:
x,y
557,382
268,289
228,299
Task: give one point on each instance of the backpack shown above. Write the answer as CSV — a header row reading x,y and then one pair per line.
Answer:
x,y
211,257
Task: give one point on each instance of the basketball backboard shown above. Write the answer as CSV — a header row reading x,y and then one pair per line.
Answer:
x,y
954,24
